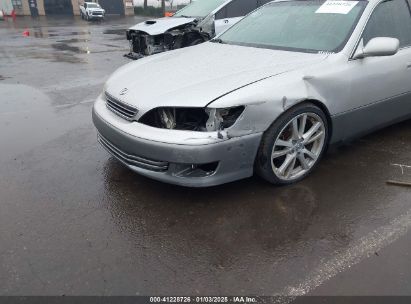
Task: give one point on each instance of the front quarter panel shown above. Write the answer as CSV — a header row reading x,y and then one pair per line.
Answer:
x,y
327,83
265,101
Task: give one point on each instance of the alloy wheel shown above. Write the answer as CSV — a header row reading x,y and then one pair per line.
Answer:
x,y
298,146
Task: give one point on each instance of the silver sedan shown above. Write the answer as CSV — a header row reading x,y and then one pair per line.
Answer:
x,y
267,96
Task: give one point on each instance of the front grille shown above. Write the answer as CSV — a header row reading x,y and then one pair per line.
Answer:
x,y
97,13
120,108
133,160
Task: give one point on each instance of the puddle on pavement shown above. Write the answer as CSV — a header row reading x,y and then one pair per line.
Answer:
x,y
265,218
112,45
3,77
54,57
73,40
79,33
121,32
45,33
69,48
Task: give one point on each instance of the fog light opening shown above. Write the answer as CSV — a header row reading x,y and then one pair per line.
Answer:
x,y
196,170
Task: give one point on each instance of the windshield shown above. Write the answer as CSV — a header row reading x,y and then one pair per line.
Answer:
x,y
93,5
305,26
199,8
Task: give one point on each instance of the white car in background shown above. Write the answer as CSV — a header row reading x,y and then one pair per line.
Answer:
x,y
194,24
91,10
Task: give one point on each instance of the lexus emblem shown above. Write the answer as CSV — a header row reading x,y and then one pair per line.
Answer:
x,y
124,91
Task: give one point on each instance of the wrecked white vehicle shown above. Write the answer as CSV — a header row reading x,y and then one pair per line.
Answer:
x,y
262,98
194,24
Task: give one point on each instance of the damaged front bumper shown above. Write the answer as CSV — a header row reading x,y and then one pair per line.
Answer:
x,y
134,56
185,158
143,44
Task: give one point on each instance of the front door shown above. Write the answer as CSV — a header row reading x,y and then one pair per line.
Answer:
x,y
381,86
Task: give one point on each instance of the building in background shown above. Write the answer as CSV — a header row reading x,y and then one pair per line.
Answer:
x,y
157,3
68,7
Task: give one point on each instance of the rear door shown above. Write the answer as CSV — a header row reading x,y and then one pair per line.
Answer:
x,y
233,12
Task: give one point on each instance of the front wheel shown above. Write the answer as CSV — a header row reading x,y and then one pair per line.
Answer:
x,y
293,145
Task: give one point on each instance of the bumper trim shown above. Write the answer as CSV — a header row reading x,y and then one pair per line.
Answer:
x,y
157,166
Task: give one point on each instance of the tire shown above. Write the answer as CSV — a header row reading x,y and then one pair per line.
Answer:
x,y
282,143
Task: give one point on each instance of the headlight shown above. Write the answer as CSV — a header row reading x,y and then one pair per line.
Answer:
x,y
219,119
192,119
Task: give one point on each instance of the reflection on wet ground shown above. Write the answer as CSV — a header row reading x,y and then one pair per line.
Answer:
x,y
73,40
232,220
121,32
70,48
40,33
82,33
67,45
73,220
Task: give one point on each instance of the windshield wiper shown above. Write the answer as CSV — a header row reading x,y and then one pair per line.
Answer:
x,y
217,40
185,16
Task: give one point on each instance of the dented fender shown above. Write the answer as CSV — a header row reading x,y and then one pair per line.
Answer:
x,y
268,99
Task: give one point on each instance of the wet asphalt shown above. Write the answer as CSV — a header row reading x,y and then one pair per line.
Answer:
x,y
74,221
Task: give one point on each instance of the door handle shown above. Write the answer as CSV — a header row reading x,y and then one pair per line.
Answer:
x,y
226,21
409,65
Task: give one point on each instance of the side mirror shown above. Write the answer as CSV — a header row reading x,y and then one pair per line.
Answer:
x,y
380,46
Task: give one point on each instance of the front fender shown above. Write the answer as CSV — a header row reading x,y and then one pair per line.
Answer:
x,y
266,100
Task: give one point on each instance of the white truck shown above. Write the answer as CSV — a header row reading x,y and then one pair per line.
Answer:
x,y
91,10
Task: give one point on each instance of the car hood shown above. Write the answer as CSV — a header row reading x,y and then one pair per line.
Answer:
x,y
162,25
196,76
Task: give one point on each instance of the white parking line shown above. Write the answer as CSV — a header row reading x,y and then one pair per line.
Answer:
x,y
358,251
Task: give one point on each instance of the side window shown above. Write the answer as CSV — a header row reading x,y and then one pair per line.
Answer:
x,y
390,19
239,8
262,2
221,14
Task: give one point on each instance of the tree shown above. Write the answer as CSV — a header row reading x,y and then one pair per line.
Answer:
x,y
163,6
